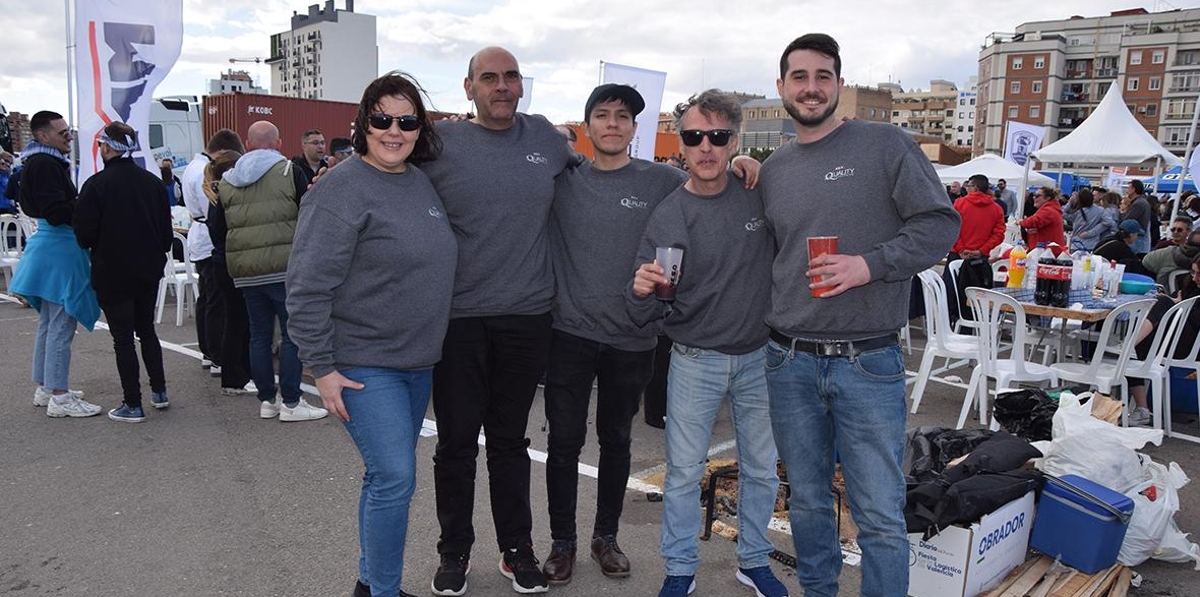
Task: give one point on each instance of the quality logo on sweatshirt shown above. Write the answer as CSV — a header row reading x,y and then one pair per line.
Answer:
x,y
632,202
755,224
435,212
839,173
537,159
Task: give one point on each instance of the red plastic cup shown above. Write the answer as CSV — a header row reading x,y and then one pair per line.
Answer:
x,y
818,246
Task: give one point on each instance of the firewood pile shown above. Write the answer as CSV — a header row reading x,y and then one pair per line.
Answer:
x,y
1042,577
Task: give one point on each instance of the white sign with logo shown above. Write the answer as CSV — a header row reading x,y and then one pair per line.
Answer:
x,y
123,50
1022,139
963,561
650,84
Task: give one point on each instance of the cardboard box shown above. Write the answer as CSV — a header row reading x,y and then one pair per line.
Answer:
x,y
966,561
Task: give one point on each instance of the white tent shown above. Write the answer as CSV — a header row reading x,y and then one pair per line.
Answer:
x,y
1110,135
994,167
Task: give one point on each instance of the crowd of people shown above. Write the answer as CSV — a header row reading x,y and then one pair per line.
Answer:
x,y
462,262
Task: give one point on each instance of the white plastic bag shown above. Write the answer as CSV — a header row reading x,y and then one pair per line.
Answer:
x,y
1155,502
1093,449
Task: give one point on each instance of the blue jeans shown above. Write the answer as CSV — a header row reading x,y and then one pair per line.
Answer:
x,y
52,346
385,422
265,304
853,407
697,384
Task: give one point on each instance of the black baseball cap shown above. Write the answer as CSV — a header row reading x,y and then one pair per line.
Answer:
x,y
610,91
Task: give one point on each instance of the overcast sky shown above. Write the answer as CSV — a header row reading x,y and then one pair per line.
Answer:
x,y
560,43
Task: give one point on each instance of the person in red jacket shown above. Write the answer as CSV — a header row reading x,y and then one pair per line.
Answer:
x,y
1046,224
982,221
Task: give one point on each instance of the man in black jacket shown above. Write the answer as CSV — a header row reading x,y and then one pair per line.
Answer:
x,y
124,220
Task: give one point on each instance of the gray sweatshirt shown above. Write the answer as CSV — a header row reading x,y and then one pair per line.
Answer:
x,y
724,284
595,225
869,185
371,272
497,187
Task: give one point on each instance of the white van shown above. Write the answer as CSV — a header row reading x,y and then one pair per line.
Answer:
x,y
175,132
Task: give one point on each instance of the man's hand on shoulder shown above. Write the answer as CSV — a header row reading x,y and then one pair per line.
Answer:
x,y
746,168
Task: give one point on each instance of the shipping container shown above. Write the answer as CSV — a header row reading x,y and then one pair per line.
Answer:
x,y
292,115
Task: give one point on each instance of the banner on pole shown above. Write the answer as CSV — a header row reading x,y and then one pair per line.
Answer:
x,y
526,95
1022,139
123,50
650,85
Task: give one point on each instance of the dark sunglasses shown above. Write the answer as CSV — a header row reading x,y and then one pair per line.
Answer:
x,y
718,137
383,122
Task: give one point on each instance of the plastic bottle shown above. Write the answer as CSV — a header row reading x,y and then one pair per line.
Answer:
x,y
1043,278
1016,266
1060,291
1031,262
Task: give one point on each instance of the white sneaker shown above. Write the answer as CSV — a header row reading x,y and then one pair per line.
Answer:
x,y
72,407
205,363
269,410
303,411
41,396
249,388
1140,417
214,371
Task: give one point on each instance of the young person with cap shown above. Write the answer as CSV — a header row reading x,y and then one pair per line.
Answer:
x,y
599,212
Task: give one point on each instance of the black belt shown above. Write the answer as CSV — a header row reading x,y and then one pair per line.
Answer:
x,y
835,348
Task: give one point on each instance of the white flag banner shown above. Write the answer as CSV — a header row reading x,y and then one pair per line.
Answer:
x,y
123,50
650,84
1115,178
526,95
1022,139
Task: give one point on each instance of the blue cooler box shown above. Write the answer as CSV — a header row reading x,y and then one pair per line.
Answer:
x,y
1081,521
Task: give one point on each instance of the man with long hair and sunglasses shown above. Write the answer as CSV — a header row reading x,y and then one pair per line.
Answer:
x,y
834,367
716,322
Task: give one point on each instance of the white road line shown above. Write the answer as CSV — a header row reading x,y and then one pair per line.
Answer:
x,y
635,482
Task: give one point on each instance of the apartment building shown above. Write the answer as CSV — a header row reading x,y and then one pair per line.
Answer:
x,y
1054,74
766,125
327,53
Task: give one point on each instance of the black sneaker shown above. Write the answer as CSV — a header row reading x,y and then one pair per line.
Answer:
x,y
451,577
361,590
521,567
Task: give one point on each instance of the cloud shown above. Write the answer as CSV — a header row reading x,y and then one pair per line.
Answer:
x,y
699,44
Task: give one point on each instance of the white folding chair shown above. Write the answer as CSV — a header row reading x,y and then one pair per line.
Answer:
x,y
1155,367
1108,374
940,340
12,245
990,315
954,267
180,277
1190,361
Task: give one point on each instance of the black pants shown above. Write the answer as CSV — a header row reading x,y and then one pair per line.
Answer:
x,y
209,319
234,334
486,379
655,400
128,312
622,376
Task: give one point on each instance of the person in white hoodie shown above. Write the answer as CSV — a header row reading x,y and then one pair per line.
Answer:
x,y
261,197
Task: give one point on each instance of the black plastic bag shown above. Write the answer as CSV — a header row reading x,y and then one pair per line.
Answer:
x,y
1026,413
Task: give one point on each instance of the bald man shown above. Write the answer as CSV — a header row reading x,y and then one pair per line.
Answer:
x,y
496,178
261,197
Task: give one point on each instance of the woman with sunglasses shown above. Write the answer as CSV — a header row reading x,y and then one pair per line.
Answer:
x,y
1046,223
369,287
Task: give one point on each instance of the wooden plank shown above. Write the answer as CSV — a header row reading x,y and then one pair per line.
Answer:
x,y
1066,578
1098,580
1121,588
1108,582
1029,579
1072,586
1011,578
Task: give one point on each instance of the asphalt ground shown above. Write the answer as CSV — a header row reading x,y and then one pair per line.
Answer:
x,y
205,498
